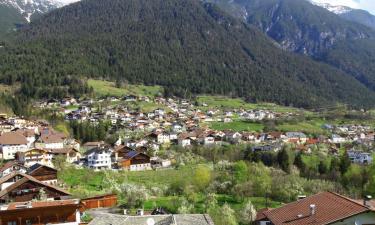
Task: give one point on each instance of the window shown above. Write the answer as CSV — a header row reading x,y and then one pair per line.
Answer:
x,y
28,222
12,223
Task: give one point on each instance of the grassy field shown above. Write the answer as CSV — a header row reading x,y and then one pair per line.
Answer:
x,y
107,88
237,126
147,106
6,89
311,127
237,103
93,181
171,203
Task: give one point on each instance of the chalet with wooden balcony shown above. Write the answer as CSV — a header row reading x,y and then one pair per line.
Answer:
x,y
43,173
34,156
135,161
23,187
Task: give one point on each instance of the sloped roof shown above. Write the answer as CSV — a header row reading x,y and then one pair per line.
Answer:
x,y
37,166
10,176
98,150
25,179
44,204
12,138
10,164
26,132
52,138
178,219
132,154
61,150
330,207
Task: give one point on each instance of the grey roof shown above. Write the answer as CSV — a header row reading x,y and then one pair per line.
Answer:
x,y
178,219
98,150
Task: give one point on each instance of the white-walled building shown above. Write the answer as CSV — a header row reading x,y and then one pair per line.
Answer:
x,y
99,158
11,143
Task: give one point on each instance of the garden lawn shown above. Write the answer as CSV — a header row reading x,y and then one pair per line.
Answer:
x,y
237,103
237,126
310,127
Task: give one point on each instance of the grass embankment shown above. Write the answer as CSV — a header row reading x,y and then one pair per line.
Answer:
x,y
107,88
237,103
237,126
314,126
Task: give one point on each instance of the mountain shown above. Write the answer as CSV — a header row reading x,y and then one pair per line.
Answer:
x,y
360,16
297,25
187,46
337,9
354,15
14,13
308,29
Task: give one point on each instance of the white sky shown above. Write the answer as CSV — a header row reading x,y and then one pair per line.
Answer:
x,y
68,1
368,5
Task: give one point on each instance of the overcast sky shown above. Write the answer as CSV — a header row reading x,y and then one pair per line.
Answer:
x,y
69,1
368,5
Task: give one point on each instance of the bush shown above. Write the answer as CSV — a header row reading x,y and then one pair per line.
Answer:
x,y
133,196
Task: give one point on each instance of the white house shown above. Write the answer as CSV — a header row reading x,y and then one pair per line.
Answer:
x,y
12,166
184,140
29,134
99,158
12,142
50,139
209,140
35,156
337,139
360,157
163,138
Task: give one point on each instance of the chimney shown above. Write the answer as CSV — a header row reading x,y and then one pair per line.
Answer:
x,y
312,209
140,212
366,200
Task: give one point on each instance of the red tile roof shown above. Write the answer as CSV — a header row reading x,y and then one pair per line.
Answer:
x,y
330,207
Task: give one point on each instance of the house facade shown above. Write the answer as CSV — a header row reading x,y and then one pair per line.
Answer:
x,y
99,158
12,166
35,156
11,143
135,161
45,174
28,188
62,212
360,157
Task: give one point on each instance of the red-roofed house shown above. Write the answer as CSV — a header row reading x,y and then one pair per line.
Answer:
x,y
320,209
45,212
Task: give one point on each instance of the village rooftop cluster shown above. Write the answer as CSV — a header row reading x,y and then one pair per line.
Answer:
x,y
29,183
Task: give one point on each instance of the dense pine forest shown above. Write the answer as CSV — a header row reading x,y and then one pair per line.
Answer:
x,y
187,46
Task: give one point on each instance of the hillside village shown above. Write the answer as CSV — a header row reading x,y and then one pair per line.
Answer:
x,y
175,123
32,149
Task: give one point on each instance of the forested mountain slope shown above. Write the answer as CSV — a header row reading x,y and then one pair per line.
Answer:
x,y
302,27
